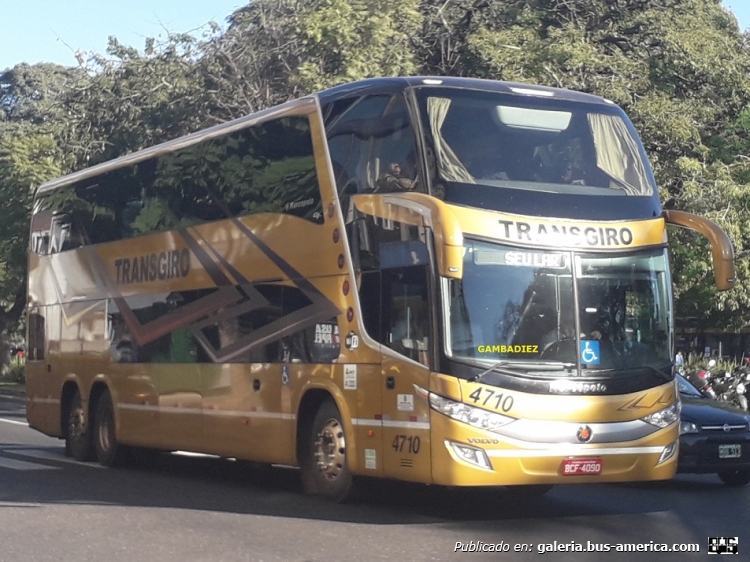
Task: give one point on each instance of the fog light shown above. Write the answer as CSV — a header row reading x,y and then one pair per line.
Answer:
x,y
668,452
467,453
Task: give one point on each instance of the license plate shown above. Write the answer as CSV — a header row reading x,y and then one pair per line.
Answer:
x,y
577,467
730,451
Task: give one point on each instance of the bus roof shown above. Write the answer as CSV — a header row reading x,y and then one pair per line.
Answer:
x,y
370,85
374,85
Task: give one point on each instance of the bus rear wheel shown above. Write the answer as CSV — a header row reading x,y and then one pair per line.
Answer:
x,y
77,435
108,451
325,471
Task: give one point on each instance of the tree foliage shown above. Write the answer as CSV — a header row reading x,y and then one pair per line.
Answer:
x,y
25,163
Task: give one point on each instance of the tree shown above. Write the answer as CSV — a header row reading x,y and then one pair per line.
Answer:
x,y
25,162
277,50
133,100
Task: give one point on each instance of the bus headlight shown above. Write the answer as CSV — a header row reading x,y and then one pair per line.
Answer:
x,y
665,417
477,417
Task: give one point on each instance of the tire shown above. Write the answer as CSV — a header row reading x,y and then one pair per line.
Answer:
x,y
108,451
735,477
325,470
78,443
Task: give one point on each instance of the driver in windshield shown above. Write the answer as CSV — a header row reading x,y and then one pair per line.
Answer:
x,y
393,180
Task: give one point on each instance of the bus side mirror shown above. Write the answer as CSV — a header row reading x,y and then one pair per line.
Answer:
x,y
721,246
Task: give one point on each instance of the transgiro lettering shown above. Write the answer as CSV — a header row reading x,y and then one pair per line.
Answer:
x,y
560,235
152,267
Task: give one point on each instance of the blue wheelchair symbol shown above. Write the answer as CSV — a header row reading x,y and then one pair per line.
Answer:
x,y
589,352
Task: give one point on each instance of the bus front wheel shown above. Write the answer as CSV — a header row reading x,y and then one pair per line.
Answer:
x,y
325,471
108,451
77,435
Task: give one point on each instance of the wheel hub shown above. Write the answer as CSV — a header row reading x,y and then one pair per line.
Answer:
x,y
76,423
330,449
104,431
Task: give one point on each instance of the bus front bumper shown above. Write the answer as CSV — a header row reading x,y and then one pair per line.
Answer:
x,y
486,461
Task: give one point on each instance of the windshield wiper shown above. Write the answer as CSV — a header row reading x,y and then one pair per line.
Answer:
x,y
512,367
660,372
656,370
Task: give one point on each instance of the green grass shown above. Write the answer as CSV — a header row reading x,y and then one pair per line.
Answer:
x,y
15,376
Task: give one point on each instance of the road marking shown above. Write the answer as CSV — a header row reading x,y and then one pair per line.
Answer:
x,y
14,422
14,464
49,455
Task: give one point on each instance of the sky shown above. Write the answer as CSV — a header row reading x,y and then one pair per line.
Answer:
x,y
741,9
53,30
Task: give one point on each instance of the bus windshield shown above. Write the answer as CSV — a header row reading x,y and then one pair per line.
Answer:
x,y
533,143
552,309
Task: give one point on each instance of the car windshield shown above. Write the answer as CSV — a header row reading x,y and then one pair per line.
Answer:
x,y
525,142
549,308
687,389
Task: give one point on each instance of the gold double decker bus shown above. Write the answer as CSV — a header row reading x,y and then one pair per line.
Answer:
x,y
440,280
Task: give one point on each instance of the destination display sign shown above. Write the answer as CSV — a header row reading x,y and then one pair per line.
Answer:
x,y
520,258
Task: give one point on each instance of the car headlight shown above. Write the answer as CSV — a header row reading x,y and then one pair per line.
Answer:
x,y
741,388
664,417
688,427
477,417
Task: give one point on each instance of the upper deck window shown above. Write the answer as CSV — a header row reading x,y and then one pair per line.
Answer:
x,y
512,143
266,168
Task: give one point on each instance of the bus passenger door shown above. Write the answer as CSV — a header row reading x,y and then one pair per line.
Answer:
x,y
42,388
405,365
